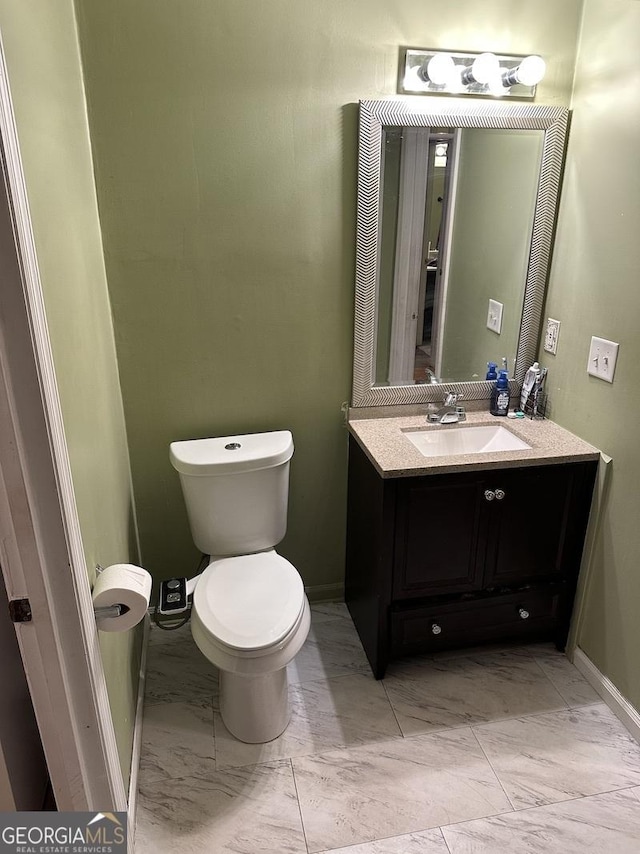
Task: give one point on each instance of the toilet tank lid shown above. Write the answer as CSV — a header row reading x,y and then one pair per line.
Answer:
x,y
225,455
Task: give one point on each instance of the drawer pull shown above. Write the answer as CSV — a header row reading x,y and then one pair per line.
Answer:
x,y
436,629
524,614
500,494
489,494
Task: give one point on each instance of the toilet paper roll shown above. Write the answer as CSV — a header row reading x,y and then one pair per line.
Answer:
x,y
122,584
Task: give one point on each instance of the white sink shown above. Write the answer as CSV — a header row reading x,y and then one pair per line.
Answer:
x,y
483,439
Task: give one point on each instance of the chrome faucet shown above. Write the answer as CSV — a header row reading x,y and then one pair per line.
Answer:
x,y
450,412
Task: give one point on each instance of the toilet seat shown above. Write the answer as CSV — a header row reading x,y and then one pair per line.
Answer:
x,y
249,604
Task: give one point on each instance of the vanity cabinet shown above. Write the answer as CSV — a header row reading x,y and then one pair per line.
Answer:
x,y
436,561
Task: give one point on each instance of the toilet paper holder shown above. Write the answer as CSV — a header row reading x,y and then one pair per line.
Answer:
x,y
109,611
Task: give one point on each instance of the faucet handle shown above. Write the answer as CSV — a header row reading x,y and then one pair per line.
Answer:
x,y
452,398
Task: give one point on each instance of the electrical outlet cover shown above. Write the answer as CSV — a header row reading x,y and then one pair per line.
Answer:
x,y
494,316
602,359
551,335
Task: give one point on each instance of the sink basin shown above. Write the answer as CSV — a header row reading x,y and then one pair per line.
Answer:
x,y
483,439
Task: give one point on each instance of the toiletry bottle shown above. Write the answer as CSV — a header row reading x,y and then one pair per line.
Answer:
x,y
537,394
500,395
528,383
491,371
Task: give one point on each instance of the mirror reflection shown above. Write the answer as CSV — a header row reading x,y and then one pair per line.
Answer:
x,y
456,219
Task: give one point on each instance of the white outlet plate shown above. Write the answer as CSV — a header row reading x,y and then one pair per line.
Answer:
x,y
602,359
494,316
551,335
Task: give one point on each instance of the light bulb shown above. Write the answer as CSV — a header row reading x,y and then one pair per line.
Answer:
x,y
484,68
530,71
440,69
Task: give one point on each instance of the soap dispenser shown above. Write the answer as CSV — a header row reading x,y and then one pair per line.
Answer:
x,y
500,395
491,371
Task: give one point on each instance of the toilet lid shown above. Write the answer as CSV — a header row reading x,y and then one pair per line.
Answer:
x,y
249,601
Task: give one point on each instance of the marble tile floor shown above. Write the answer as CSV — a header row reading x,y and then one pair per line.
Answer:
x,y
485,751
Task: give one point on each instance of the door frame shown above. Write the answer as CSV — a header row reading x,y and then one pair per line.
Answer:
x,y
41,548
414,160
444,255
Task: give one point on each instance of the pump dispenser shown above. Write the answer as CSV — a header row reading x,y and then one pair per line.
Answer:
x,y
491,371
500,395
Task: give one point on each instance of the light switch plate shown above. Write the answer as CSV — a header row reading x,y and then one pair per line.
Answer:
x,y
602,359
551,335
494,316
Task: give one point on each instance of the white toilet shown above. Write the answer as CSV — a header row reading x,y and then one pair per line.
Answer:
x,y
250,614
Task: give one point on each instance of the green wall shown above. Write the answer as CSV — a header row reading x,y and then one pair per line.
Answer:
x,y
224,139
594,290
43,61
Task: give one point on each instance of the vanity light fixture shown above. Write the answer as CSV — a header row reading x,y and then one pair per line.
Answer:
x,y
424,71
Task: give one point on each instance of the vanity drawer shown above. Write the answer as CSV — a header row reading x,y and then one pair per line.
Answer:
x,y
530,612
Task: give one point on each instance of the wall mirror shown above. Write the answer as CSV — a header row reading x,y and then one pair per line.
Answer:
x,y
455,221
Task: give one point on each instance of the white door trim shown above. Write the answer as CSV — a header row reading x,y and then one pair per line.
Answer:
x,y
444,255
41,547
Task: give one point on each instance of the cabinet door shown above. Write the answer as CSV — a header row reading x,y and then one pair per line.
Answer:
x,y
439,541
527,524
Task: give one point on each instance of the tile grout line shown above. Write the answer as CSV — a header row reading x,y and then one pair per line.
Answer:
x,y
444,839
569,704
393,711
213,733
354,672
517,812
295,786
495,773
523,716
548,678
433,828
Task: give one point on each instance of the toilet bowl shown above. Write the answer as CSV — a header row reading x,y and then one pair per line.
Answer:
x,y
250,617
250,614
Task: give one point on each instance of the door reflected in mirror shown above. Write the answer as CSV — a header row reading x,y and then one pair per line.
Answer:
x,y
456,220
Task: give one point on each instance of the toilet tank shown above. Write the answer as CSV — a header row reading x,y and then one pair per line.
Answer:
x,y
236,489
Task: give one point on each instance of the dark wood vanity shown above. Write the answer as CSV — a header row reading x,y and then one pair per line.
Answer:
x,y
438,560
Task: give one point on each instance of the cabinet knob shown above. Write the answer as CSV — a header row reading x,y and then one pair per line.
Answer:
x,y
489,494
436,629
524,614
500,494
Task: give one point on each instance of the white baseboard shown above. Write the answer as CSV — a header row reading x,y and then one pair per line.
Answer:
x,y
325,593
619,705
137,731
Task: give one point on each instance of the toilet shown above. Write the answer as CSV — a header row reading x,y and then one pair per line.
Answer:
x,y
250,615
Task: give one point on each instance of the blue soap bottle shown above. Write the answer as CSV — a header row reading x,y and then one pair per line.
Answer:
x,y
500,395
491,371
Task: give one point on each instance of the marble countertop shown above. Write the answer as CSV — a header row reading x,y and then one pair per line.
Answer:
x,y
393,455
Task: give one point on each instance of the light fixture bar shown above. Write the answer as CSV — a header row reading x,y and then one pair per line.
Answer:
x,y
425,71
